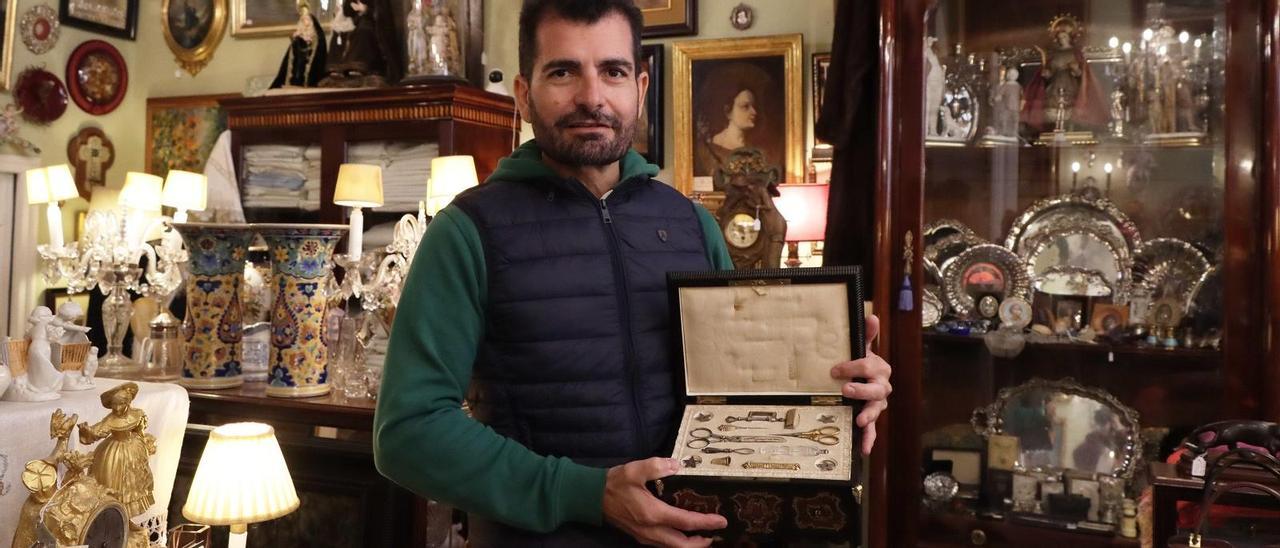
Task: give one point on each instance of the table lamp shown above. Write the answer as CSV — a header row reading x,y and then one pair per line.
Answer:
x,y
450,175
52,185
185,191
359,185
804,206
140,197
241,479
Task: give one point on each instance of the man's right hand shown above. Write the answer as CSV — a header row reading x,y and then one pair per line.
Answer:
x,y
629,506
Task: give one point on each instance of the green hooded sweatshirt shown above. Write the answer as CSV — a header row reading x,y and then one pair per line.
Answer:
x,y
422,439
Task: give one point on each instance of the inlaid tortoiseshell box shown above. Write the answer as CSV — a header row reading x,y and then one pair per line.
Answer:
x,y
766,439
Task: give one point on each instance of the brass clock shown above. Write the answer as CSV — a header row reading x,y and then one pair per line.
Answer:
x,y
752,225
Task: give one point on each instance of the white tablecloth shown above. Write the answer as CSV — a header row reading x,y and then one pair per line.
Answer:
x,y
24,435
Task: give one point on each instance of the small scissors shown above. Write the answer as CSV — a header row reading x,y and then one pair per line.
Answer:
x,y
825,435
703,437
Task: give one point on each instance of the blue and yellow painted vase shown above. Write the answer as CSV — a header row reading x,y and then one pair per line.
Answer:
x,y
212,330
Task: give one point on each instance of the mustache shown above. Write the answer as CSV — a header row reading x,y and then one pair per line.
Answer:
x,y
583,116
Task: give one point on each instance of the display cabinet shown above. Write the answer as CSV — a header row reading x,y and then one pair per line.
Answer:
x,y
1076,200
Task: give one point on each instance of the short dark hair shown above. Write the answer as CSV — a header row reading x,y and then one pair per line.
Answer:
x,y
579,11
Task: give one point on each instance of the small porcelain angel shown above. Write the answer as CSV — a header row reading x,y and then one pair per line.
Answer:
x,y
41,380
69,314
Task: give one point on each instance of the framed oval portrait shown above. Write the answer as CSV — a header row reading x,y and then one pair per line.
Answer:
x,y
97,77
193,29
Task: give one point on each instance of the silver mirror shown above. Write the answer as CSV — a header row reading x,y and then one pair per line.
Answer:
x,y
1062,213
1065,425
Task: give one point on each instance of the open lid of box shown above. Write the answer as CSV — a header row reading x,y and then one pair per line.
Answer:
x,y
766,332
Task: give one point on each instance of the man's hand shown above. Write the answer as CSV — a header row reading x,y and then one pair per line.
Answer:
x,y
875,391
631,508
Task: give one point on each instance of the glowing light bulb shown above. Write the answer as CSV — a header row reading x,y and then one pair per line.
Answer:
x,y
1113,42
1107,167
1075,167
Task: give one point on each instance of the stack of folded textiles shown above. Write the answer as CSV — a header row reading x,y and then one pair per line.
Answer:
x,y
282,176
405,170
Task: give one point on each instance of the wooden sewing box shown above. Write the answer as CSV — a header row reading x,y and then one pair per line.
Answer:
x,y
766,439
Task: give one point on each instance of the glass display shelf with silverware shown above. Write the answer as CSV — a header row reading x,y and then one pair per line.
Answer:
x,y
1080,223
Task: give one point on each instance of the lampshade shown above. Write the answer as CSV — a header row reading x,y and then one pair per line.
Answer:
x,y
141,191
804,206
450,175
242,478
62,184
359,185
37,186
104,199
185,190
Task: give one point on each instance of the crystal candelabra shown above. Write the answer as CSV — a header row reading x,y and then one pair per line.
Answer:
x,y
109,257
376,279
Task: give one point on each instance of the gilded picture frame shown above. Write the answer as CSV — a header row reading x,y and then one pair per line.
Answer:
x,y
9,16
101,16
668,17
265,18
771,69
194,35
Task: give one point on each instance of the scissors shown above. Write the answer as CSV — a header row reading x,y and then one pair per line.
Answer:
x,y
703,437
825,435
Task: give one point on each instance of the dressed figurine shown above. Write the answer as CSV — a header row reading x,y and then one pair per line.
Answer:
x,y
304,62
77,359
1006,103
935,78
443,58
362,51
41,379
416,40
120,461
1064,90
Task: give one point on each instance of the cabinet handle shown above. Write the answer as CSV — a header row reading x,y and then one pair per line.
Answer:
x,y
978,537
906,299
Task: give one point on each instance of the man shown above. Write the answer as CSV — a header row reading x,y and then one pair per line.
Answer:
x,y
544,292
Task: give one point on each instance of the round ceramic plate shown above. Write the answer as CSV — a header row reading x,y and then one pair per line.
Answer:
x,y
39,27
97,77
41,96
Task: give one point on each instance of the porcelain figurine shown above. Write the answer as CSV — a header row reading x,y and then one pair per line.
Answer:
x,y
1006,104
35,377
77,359
935,78
443,57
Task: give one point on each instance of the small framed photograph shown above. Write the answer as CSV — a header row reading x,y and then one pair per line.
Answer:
x,y
1026,492
1087,488
668,17
1003,451
966,467
1109,318
118,18
648,137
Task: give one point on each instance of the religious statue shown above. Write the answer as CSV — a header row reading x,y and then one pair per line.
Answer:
x,y
362,51
1006,103
35,377
1064,92
443,57
304,62
935,78
77,358
1119,111
415,40
120,461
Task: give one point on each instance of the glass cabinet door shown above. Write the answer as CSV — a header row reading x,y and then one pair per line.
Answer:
x,y
1074,194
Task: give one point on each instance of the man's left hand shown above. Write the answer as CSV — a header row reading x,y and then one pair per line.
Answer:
x,y
875,390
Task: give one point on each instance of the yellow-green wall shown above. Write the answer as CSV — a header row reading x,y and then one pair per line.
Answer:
x,y
154,73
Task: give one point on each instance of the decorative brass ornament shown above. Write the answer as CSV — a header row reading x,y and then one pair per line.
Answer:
x,y
760,511
753,227
194,47
120,461
821,511
690,500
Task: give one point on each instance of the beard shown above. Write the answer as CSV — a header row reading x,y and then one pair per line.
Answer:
x,y
591,149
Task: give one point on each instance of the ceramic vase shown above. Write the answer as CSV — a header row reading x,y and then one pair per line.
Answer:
x,y
213,328
301,264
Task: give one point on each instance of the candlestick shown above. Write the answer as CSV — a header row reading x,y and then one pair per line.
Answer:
x,y
355,238
1075,172
1107,167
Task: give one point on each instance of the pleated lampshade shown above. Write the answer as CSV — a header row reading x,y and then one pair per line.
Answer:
x,y
242,478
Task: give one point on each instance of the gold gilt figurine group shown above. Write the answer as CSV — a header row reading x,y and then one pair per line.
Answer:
x,y
102,489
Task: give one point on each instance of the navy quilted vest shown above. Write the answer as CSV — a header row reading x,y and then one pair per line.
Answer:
x,y
576,359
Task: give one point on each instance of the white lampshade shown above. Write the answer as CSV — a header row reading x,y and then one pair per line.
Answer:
x,y
359,185
242,478
185,190
62,184
141,191
450,175
37,186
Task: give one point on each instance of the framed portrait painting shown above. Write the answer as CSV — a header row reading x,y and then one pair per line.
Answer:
x,y
260,18
181,131
648,137
193,29
820,65
118,18
669,17
735,93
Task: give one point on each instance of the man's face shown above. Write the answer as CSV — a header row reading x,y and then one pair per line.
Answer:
x,y
583,96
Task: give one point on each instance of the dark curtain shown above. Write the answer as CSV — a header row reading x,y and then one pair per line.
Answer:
x,y
849,122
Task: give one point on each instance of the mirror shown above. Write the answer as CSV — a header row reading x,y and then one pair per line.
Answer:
x,y
1063,425
1058,214
1082,247
1072,281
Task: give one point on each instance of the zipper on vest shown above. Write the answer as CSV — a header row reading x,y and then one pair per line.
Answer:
x,y
624,312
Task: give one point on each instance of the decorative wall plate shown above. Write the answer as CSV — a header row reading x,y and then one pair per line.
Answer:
x,y
97,77
986,269
39,27
1169,267
91,153
1015,312
1053,213
40,95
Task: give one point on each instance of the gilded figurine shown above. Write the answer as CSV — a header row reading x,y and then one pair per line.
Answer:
x,y
120,462
1064,91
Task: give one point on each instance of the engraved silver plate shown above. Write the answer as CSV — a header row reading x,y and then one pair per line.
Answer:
x,y
986,269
